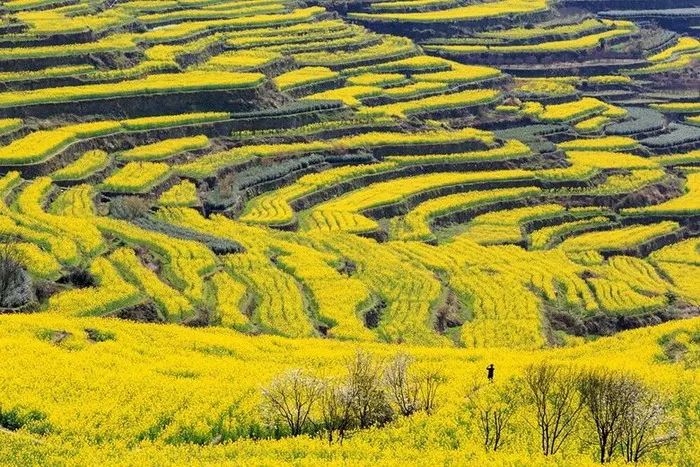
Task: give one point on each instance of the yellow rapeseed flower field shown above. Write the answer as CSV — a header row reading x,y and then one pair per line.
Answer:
x,y
387,232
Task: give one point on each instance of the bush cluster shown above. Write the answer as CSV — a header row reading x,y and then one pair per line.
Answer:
x,y
611,410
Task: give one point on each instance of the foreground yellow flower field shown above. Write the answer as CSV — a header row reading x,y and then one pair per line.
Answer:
x,y
117,393
349,232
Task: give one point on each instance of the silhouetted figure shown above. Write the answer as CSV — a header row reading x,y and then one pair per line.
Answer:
x,y
489,372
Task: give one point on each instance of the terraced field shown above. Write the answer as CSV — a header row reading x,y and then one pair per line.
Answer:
x,y
468,182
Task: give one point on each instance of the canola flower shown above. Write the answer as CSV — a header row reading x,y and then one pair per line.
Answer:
x,y
51,72
41,145
684,205
619,184
110,294
390,47
605,143
609,80
471,12
238,61
164,149
236,11
592,125
172,304
410,65
392,5
154,84
184,262
303,77
619,239
30,203
308,31
377,79
38,262
683,45
505,226
194,373
231,295
459,73
415,225
413,90
457,297
110,43
543,238
435,103
77,201
568,111
136,177
620,29
10,124
86,165
350,95
680,62
678,107
521,33
211,163
690,157
184,194
545,87
336,213
274,208
187,29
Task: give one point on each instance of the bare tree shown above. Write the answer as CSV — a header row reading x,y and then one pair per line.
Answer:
x,y
15,283
336,410
412,391
608,397
646,426
429,381
402,388
493,406
369,402
291,397
553,392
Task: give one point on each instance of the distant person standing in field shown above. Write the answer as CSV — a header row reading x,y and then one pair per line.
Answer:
x,y
490,371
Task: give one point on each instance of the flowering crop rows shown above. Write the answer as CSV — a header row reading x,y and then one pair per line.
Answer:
x,y
478,181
